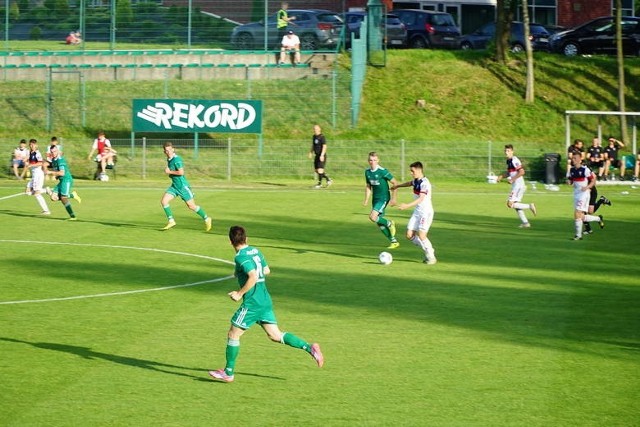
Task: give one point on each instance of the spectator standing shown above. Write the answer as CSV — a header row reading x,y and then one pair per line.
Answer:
x,y
515,177
251,269
319,153
282,20
583,180
611,158
377,184
36,183
422,217
179,187
595,157
20,156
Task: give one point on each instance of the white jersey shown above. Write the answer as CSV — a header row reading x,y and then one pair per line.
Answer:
x,y
423,186
21,153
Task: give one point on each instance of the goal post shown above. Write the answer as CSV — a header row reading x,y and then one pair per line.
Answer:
x,y
599,115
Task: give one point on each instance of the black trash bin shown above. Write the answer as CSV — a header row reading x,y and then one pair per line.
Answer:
x,y
551,168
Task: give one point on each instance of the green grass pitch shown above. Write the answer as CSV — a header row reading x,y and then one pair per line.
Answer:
x,y
511,327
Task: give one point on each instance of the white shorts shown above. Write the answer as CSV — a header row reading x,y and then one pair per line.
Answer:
x,y
517,192
420,221
581,201
36,183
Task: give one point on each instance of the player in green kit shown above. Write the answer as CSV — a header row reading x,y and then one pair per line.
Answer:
x,y
378,179
251,269
179,187
62,191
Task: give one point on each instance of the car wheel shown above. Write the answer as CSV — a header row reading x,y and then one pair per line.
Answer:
x,y
570,49
308,42
466,46
517,48
418,43
244,41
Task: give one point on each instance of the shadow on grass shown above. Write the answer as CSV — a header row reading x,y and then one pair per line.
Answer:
x,y
87,353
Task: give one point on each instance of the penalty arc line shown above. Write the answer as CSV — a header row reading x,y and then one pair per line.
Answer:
x,y
137,291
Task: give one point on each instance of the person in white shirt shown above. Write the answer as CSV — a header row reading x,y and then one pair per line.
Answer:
x,y
36,183
515,177
290,44
422,217
20,156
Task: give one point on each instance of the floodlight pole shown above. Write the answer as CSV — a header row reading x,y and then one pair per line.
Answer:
x,y
189,25
112,38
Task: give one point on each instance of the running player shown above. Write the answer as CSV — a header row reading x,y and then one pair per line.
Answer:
x,y
62,191
257,307
583,180
422,216
179,187
35,184
378,179
515,177
594,205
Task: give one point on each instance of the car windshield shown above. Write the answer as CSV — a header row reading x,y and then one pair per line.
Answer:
x,y
330,17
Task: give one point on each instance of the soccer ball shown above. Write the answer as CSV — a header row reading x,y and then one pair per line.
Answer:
x,y
103,177
385,258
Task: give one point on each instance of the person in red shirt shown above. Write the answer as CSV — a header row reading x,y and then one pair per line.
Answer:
x,y
105,154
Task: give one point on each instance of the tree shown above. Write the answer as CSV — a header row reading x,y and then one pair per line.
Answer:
x,y
14,12
529,92
505,9
621,86
124,13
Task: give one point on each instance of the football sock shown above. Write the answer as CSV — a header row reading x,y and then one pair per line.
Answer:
x,y
293,341
587,226
67,206
384,223
578,226
167,212
591,218
521,205
597,205
521,214
201,213
42,203
425,244
233,348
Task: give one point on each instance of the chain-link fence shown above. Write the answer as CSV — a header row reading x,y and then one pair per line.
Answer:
x,y
242,160
207,23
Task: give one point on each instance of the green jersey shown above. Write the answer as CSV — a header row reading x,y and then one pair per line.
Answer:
x,y
177,181
60,164
248,259
379,181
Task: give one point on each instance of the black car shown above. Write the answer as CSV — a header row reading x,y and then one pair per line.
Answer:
x,y
598,36
480,38
426,28
316,29
396,31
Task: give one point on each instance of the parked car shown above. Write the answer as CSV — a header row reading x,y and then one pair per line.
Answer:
x,y
481,37
427,29
316,29
598,36
396,31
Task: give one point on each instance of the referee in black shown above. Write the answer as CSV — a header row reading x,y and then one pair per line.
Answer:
x,y
319,153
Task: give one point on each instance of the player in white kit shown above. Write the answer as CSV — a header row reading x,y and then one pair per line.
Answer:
x,y
422,217
35,184
582,179
515,177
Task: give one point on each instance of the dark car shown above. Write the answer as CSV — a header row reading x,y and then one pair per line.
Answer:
x,y
427,29
598,36
316,29
396,31
481,37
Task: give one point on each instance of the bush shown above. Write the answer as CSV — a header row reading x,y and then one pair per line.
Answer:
x,y
35,33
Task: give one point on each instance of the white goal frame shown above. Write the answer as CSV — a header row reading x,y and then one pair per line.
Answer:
x,y
634,124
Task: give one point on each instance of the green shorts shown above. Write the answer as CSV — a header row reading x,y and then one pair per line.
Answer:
x,y
63,188
379,205
184,193
245,317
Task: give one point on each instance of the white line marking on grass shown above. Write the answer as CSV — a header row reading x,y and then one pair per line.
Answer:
x,y
109,294
13,195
